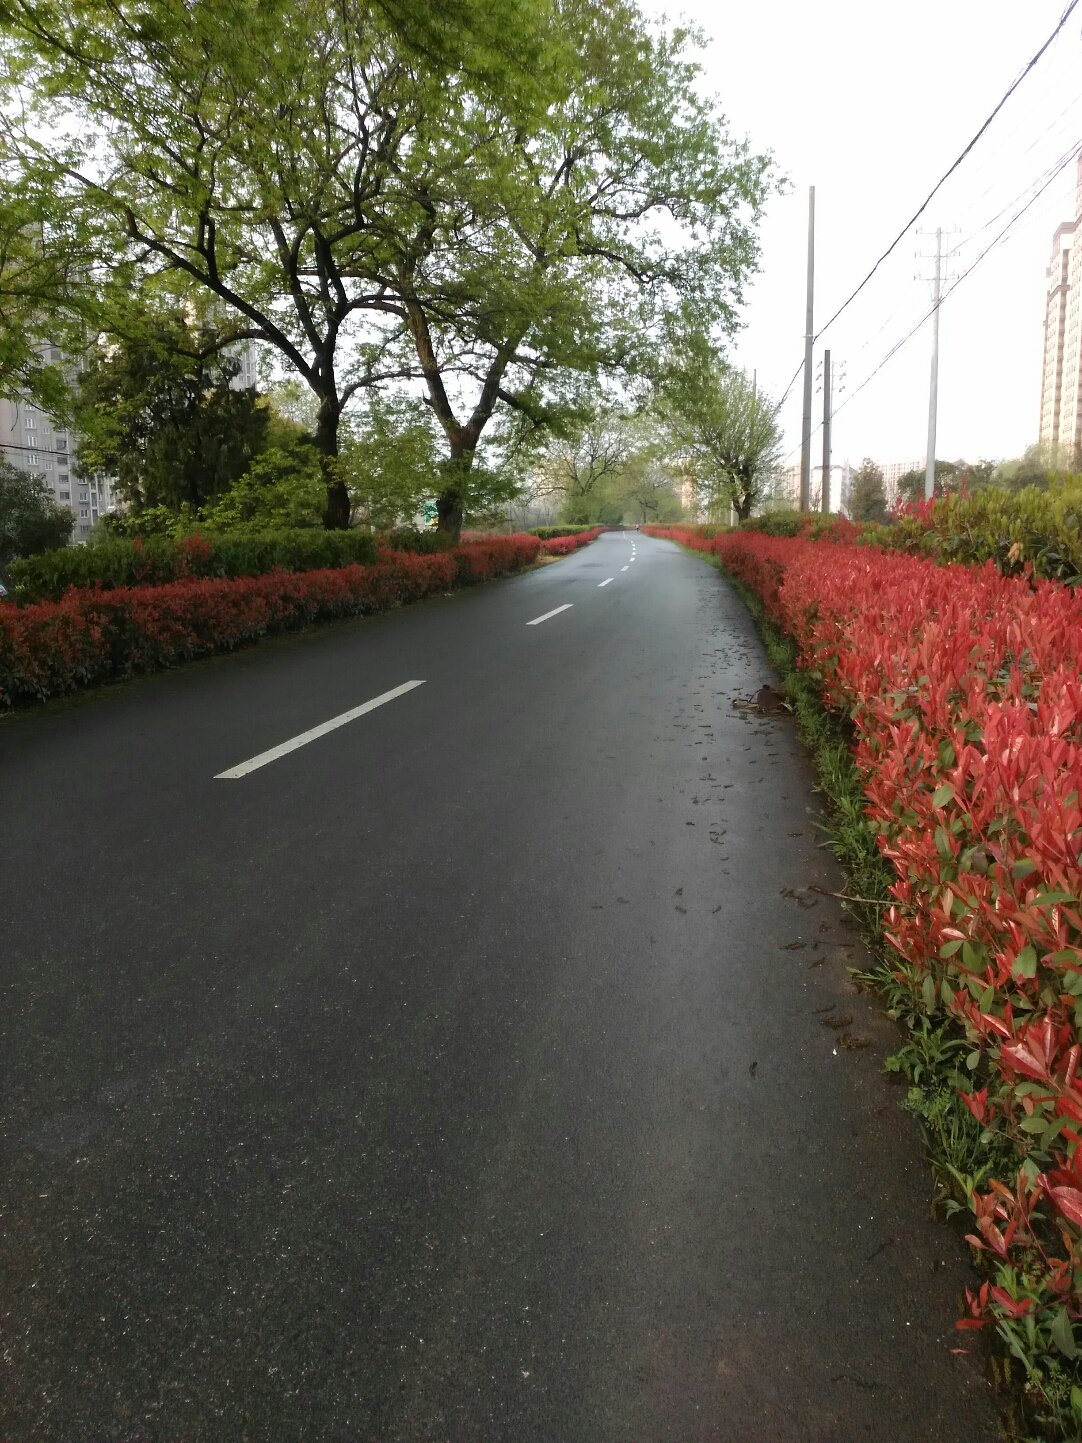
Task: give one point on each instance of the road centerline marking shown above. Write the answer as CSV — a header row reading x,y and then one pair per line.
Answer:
x,y
624,568
605,582
539,619
313,734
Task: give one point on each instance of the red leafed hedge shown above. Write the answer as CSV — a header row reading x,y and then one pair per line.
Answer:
x,y
965,692
90,636
563,545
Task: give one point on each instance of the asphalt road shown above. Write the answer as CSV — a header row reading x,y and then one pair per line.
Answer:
x,y
485,1070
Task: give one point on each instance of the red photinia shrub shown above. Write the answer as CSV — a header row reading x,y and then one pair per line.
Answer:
x,y
91,635
564,545
965,691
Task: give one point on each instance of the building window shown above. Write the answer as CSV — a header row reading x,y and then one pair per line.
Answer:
x,y
65,495
31,421
84,510
63,477
31,458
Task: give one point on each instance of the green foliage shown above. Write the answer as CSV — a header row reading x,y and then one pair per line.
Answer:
x,y
725,428
1031,527
390,461
163,419
150,521
376,194
547,533
160,559
30,520
607,468
281,491
424,543
775,523
1034,469
867,498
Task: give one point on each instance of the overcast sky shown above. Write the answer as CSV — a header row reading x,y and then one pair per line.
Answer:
x,y
870,104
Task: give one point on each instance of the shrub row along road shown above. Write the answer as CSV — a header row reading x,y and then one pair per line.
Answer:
x,y
481,1068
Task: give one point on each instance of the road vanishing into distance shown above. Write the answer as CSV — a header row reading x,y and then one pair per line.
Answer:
x,y
483,1068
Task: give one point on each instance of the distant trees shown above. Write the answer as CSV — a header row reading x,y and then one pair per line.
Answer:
x,y
867,499
612,467
1034,468
583,466
724,427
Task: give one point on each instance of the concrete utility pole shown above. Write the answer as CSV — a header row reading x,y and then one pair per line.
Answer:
x,y
809,338
933,392
824,499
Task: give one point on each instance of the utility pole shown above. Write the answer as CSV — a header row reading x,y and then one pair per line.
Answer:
x,y
809,338
933,390
824,499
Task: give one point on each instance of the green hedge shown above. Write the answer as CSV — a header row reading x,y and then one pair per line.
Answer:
x,y
1015,529
422,543
549,533
153,561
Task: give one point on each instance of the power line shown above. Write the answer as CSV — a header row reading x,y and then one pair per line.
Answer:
x,y
1062,165
948,173
1052,171
938,186
790,386
44,450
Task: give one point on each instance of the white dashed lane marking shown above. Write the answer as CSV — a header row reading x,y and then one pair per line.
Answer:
x,y
539,619
284,748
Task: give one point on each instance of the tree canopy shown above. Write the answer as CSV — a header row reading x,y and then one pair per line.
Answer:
x,y
725,427
473,204
30,519
867,498
162,419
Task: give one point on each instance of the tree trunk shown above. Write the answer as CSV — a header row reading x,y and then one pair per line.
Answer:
x,y
451,502
336,513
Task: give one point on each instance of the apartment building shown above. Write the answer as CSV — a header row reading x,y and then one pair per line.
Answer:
x,y
35,442
1061,372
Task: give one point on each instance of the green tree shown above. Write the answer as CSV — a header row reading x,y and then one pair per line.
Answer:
x,y
867,499
30,519
581,467
648,489
282,488
158,414
390,461
570,272
250,173
377,195
1031,469
724,428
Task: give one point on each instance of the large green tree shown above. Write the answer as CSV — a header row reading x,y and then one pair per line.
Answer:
x,y
377,196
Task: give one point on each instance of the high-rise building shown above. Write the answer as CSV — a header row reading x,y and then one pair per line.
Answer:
x,y
1061,374
43,446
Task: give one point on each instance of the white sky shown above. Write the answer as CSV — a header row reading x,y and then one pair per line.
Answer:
x,y
871,103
